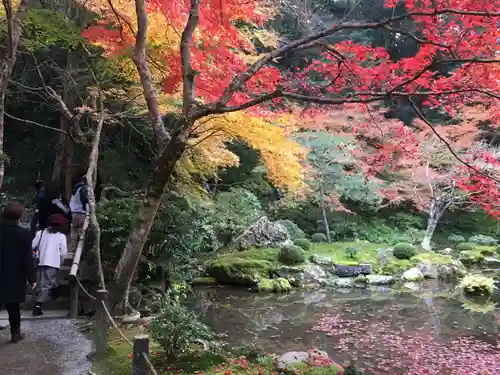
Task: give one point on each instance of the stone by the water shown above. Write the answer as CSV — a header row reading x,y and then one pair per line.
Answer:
x,y
382,256
379,279
342,270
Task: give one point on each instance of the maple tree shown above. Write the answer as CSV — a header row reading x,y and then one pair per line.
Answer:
x,y
204,66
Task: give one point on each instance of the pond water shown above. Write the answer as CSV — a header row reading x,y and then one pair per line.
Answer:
x,y
386,332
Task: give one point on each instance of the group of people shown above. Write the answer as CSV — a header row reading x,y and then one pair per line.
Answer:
x,y
35,256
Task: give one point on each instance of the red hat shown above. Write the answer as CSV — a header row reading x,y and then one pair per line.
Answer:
x,y
57,219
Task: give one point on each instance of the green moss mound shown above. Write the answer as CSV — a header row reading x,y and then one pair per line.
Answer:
x,y
291,255
471,257
204,280
465,246
279,285
318,238
244,267
304,243
434,258
404,250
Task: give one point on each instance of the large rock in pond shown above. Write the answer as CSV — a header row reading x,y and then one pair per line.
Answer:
x,y
413,274
314,358
379,279
263,233
491,262
313,273
428,269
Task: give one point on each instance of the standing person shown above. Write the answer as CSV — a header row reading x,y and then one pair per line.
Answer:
x,y
40,192
79,207
51,244
16,266
51,203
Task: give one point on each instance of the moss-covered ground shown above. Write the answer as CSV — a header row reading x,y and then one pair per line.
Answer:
x,y
118,361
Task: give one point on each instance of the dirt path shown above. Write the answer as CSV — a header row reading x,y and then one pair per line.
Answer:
x,y
51,347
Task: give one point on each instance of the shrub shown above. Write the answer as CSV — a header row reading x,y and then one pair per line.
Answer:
x,y
293,229
291,254
404,250
304,243
175,328
483,240
351,252
477,285
456,238
470,257
497,249
464,246
318,238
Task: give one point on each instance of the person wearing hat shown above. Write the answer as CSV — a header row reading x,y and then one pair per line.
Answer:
x,y
50,246
16,265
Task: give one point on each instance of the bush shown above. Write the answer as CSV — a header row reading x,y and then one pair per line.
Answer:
x,y
464,246
318,238
456,238
175,328
351,252
483,240
497,249
477,285
291,254
293,229
404,250
303,243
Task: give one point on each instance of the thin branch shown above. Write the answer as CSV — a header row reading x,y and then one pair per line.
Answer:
x,y
447,144
29,122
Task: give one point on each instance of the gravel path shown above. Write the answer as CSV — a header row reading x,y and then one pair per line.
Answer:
x,y
51,347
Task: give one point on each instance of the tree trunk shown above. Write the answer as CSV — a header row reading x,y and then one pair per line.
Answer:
x,y
151,202
63,163
436,211
14,27
323,211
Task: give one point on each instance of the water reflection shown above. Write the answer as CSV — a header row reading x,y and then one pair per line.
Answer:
x,y
371,325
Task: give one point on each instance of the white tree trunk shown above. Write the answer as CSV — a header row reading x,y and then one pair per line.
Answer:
x,y
436,211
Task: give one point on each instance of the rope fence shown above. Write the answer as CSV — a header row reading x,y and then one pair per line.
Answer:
x,y
141,364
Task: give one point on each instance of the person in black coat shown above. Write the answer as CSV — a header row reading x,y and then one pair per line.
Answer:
x,y
16,265
52,204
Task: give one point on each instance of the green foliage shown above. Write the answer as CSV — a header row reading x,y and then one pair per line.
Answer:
x,y
351,252
44,28
352,370
497,249
403,250
293,229
471,256
175,328
318,238
432,257
487,251
291,255
477,285
483,240
465,246
304,243
456,238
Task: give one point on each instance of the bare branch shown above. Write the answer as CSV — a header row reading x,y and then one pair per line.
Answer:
x,y
37,124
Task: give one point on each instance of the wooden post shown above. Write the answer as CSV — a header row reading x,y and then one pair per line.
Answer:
x,y
101,324
139,364
74,291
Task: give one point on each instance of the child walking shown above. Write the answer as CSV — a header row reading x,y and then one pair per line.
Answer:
x,y
51,247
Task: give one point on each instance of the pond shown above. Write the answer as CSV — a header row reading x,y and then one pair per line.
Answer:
x,y
386,331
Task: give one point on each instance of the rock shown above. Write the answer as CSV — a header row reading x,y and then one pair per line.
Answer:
x,y
344,282
204,280
413,274
414,287
263,233
379,279
345,270
322,261
279,285
313,273
491,262
428,269
291,358
447,251
133,318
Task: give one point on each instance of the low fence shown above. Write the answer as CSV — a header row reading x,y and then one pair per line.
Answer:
x,y
141,364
